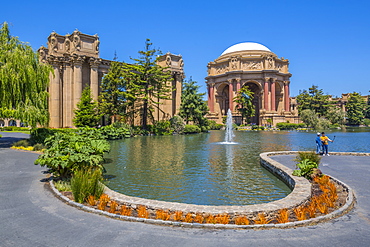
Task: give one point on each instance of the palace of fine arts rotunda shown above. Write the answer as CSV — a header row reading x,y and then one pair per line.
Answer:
x,y
255,66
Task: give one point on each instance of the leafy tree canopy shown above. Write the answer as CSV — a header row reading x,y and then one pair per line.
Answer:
x,y
355,108
86,114
314,99
23,81
244,102
148,82
115,98
193,108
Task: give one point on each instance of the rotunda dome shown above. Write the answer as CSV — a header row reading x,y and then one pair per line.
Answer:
x,y
246,46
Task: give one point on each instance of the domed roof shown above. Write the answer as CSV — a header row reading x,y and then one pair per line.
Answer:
x,y
246,46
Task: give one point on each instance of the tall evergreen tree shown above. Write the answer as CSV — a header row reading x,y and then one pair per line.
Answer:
x,y
86,113
244,102
148,82
355,108
115,98
193,108
23,81
314,99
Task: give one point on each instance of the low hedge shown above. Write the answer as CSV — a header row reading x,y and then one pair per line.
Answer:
x,y
191,129
289,126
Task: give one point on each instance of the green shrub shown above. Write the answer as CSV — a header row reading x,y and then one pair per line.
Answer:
x,y
289,126
38,147
306,168
191,129
366,122
162,127
85,183
21,143
39,135
177,124
68,152
63,185
110,132
311,156
215,126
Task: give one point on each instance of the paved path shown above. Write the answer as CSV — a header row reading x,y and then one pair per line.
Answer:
x,y
31,216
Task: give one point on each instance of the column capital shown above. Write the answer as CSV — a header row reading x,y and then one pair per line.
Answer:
x,y
230,80
94,62
78,60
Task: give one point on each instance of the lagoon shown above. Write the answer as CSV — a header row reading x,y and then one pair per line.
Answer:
x,y
197,169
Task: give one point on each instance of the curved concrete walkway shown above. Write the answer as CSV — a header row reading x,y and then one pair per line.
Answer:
x,y
30,215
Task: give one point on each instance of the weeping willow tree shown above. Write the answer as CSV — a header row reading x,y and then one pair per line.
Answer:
x,y
23,81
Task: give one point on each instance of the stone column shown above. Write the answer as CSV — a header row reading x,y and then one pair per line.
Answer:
x,y
67,96
286,96
231,95
94,78
238,86
273,102
266,94
211,97
77,78
54,97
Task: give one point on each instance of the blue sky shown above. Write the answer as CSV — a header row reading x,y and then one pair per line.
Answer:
x,y
326,42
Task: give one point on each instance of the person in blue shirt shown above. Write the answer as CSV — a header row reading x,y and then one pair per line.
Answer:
x,y
318,144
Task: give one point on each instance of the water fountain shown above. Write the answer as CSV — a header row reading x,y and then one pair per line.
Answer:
x,y
229,135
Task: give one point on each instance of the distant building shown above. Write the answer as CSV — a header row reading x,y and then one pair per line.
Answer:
x,y
343,100
76,62
267,76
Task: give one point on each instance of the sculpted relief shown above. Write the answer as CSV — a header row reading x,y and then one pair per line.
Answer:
x,y
223,68
252,65
270,62
234,63
279,67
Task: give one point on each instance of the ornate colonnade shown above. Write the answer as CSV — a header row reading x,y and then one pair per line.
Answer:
x,y
76,63
266,75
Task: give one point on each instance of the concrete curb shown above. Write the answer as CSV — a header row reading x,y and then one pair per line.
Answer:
x,y
299,189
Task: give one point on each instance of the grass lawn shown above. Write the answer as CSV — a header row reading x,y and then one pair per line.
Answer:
x,y
19,131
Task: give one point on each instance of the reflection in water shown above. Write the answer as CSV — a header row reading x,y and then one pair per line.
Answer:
x,y
192,169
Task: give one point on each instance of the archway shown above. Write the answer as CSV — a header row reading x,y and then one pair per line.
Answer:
x,y
223,98
12,123
256,100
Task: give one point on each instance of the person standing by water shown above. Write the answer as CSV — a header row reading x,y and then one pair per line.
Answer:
x,y
318,144
325,143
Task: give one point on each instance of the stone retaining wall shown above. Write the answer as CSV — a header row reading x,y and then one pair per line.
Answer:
x,y
301,193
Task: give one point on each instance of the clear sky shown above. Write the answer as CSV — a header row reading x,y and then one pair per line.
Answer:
x,y
326,42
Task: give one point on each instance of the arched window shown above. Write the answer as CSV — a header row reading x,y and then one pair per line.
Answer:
x,y
12,123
